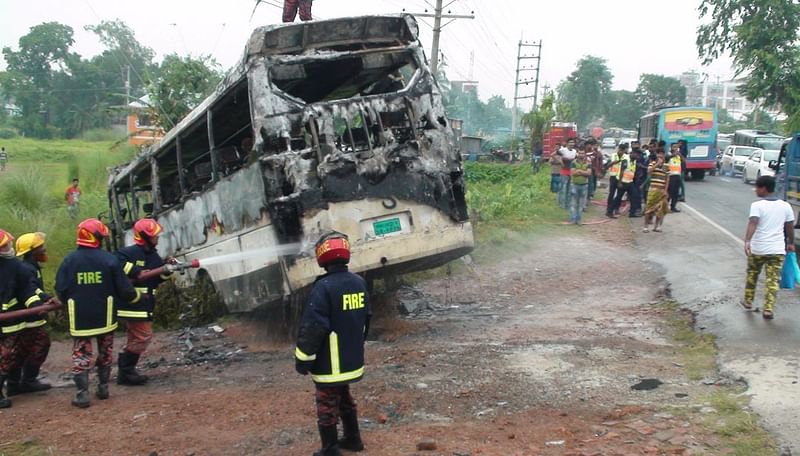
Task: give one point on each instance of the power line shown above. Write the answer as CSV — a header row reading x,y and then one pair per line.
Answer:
x,y
437,29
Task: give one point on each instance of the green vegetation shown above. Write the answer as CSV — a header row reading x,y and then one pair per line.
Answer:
x,y
698,351
32,189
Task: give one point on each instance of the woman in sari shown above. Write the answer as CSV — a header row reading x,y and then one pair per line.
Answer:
x,y
657,198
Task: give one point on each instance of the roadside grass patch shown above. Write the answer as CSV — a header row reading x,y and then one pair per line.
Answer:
x,y
697,351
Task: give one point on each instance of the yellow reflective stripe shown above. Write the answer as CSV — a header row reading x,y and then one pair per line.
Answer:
x,y
333,341
14,328
142,290
137,298
35,324
133,314
302,356
342,377
71,312
39,291
31,300
10,304
127,268
109,311
166,276
92,332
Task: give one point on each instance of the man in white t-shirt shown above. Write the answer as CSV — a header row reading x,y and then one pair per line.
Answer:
x,y
770,234
567,154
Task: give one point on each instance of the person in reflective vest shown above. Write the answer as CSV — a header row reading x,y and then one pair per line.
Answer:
x,y
625,185
614,176
138,317
675,164
91,283
34,339
330,343
18,292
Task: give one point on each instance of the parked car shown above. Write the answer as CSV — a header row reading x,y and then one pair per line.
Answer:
x,y
608,143
734,157
758,165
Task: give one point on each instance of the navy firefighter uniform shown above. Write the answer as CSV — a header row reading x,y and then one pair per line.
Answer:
x,y
18,291
138,317
91,283
330,343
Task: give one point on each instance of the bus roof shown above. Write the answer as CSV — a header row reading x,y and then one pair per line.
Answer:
x,y
290,39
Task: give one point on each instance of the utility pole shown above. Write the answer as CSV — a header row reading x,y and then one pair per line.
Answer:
x,y
437,28
127,85
518,82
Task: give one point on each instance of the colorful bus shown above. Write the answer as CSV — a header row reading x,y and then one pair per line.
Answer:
x,y
695,125
322,125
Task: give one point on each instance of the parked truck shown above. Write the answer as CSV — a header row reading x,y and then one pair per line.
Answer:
x,y
559,132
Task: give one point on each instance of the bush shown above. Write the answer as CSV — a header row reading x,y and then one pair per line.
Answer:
x,y
7,133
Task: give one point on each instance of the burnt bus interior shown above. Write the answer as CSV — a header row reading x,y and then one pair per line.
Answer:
x,y
214,146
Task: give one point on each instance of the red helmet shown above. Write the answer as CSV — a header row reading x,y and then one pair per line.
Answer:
x,y
6,239
332,248
145,228
91,232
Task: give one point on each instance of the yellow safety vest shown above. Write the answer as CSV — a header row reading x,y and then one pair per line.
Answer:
x,y
617,167
629,173
675,166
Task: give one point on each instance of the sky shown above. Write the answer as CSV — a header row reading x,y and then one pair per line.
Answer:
x,y
621,31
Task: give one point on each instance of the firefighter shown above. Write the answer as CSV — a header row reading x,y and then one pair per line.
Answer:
x,y
91,282
138,318
330,343
34,338
18,291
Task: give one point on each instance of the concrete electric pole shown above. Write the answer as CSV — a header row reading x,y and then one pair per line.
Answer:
x,y
518,82
437,28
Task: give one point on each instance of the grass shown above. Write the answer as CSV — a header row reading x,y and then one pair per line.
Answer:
x,y
32,189
698,351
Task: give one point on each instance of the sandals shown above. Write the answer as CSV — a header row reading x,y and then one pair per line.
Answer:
x,y
745,306
656,230
645,230
768,315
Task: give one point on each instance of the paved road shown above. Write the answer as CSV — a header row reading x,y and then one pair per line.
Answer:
x,y
702,253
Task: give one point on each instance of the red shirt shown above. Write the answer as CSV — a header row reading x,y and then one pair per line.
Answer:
x,y
73,194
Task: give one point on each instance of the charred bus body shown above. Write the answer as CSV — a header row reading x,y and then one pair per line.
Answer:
x,y
325,125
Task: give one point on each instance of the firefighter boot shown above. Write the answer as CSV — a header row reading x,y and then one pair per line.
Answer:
x,y
12,382
128,375
82,384
103,374
4,402
352,437
330,444
30,382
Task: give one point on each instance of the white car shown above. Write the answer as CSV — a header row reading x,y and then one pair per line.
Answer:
x,y
758,165
608,143
734,157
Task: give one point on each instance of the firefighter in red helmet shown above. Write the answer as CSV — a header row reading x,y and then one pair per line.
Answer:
x,y
330,343
91,283
136,259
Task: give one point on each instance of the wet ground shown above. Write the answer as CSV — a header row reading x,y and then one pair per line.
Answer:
x,y
535,353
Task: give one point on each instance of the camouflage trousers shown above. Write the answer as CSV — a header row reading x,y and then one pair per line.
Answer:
x,y
82,352
333,402
773,265
27,347
291,7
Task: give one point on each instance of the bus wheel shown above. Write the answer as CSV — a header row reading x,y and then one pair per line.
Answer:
x,y
698,174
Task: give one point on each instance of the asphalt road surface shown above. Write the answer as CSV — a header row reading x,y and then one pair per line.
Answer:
x,y
702,252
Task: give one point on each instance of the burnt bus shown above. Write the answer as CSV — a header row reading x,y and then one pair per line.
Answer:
x,y
324,125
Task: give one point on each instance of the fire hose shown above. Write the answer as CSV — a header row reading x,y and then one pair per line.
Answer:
x,y
168,268
52,304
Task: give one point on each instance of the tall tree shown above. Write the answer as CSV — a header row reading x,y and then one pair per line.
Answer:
x,y
656,91
183,84
31,72
540,117
623,109
762,38
585,89
124,56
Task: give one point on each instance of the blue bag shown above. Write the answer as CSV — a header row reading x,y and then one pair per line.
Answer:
x,y
790,274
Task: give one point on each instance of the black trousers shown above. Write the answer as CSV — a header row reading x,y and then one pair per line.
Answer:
x,y
674,190
612,192
625,189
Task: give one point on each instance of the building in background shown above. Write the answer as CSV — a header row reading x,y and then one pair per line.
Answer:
x,y
704,90
141,130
